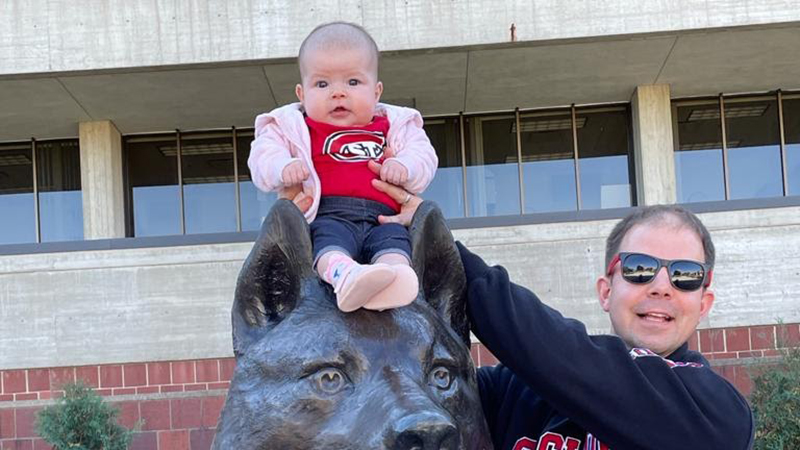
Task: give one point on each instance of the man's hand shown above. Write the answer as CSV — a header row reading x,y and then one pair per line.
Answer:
x,y
294,173
408,202
297,196
394,172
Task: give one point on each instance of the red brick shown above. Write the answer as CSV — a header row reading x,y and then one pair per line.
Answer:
x,y
487,358
195,387
753,354
26,418
693,342
7,421
772,353
155,414
712,341
14,381
226,367
59,376
207,370
38,380
124,391
135,374
18,444
158,373
201,439
731,355
144,441
103,392
41,444
762,337
788,335
737,339
212,406
110,376
7,398
88,375
147,390
46,395
26,396
172,388
187,413
220,385
183,372
173,440
128,413
742,381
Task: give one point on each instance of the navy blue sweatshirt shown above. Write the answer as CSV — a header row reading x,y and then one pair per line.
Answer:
x,y
558,388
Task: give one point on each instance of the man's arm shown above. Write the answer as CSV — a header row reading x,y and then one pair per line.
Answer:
x,y
626,402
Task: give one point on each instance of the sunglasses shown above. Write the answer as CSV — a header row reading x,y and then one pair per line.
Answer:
x,y
639,268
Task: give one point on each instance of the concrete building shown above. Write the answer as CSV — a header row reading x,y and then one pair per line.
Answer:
x,y
127,207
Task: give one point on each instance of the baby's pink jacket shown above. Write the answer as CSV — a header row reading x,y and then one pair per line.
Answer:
x,y
281,136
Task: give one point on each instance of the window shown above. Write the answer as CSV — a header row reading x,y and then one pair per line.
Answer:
x,y
59,184
603,146
209,193
153,177
791,124
492,166
548,162
732,148
698,156
255,203
17,201
447,187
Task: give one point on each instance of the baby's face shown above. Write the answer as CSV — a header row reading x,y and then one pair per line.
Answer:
x,y
339,87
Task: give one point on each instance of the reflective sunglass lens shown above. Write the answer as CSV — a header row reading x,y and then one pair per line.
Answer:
x,y
638,268
686,275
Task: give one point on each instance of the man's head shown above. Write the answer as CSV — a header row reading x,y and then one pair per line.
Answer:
x,y
650,311
339,75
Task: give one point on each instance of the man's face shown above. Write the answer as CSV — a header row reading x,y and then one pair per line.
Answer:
x,y
656,315
339,87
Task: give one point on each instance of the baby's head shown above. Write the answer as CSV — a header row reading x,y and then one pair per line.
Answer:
x,y
339,75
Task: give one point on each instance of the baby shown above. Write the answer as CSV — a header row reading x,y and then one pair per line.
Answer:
x,y
331,146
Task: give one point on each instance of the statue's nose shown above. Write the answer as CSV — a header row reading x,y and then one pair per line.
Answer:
x,y
423,431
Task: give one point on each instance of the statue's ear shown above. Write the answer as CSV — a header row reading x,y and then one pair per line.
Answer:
x,y
438,266
269,283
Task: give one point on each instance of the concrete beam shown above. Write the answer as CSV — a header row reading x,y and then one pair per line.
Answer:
x,y
653,146
101,180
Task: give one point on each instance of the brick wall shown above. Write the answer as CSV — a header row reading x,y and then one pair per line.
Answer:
x,y
178,402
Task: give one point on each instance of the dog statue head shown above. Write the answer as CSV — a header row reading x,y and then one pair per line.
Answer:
x,y
309,376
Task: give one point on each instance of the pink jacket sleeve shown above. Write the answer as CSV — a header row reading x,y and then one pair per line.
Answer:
x,y
270,152
413,149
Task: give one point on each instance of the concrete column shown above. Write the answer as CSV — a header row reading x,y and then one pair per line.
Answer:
x,y
653,146
101,180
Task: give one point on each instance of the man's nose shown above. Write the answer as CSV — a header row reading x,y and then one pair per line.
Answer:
x,y
660,284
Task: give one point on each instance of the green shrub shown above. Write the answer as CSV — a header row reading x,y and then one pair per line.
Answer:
x,y
776,404
82,420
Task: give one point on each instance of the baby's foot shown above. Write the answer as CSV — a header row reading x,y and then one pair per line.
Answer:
x,y
401,292
357,284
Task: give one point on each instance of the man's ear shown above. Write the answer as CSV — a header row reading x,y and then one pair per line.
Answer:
x,y
706,302
378,91
298,91
604,292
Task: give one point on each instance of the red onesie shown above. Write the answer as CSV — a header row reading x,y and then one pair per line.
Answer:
x,y
340,156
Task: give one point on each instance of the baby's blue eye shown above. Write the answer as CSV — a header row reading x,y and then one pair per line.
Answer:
x,y
354,82
321,84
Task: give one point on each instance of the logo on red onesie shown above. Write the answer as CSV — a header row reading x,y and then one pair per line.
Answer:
x,y
555,441
355,146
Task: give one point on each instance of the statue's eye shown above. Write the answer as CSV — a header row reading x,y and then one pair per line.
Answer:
x,y
440,378
330,380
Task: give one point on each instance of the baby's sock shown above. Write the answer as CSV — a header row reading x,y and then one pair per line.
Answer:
x,y
355,284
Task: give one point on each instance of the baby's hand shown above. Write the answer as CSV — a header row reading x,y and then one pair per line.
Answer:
x,y
294,173
394,172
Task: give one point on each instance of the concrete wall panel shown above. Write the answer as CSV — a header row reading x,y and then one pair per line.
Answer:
x,y
173,303
62,35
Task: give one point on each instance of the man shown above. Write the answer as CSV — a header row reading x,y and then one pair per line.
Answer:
x,y
558,388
